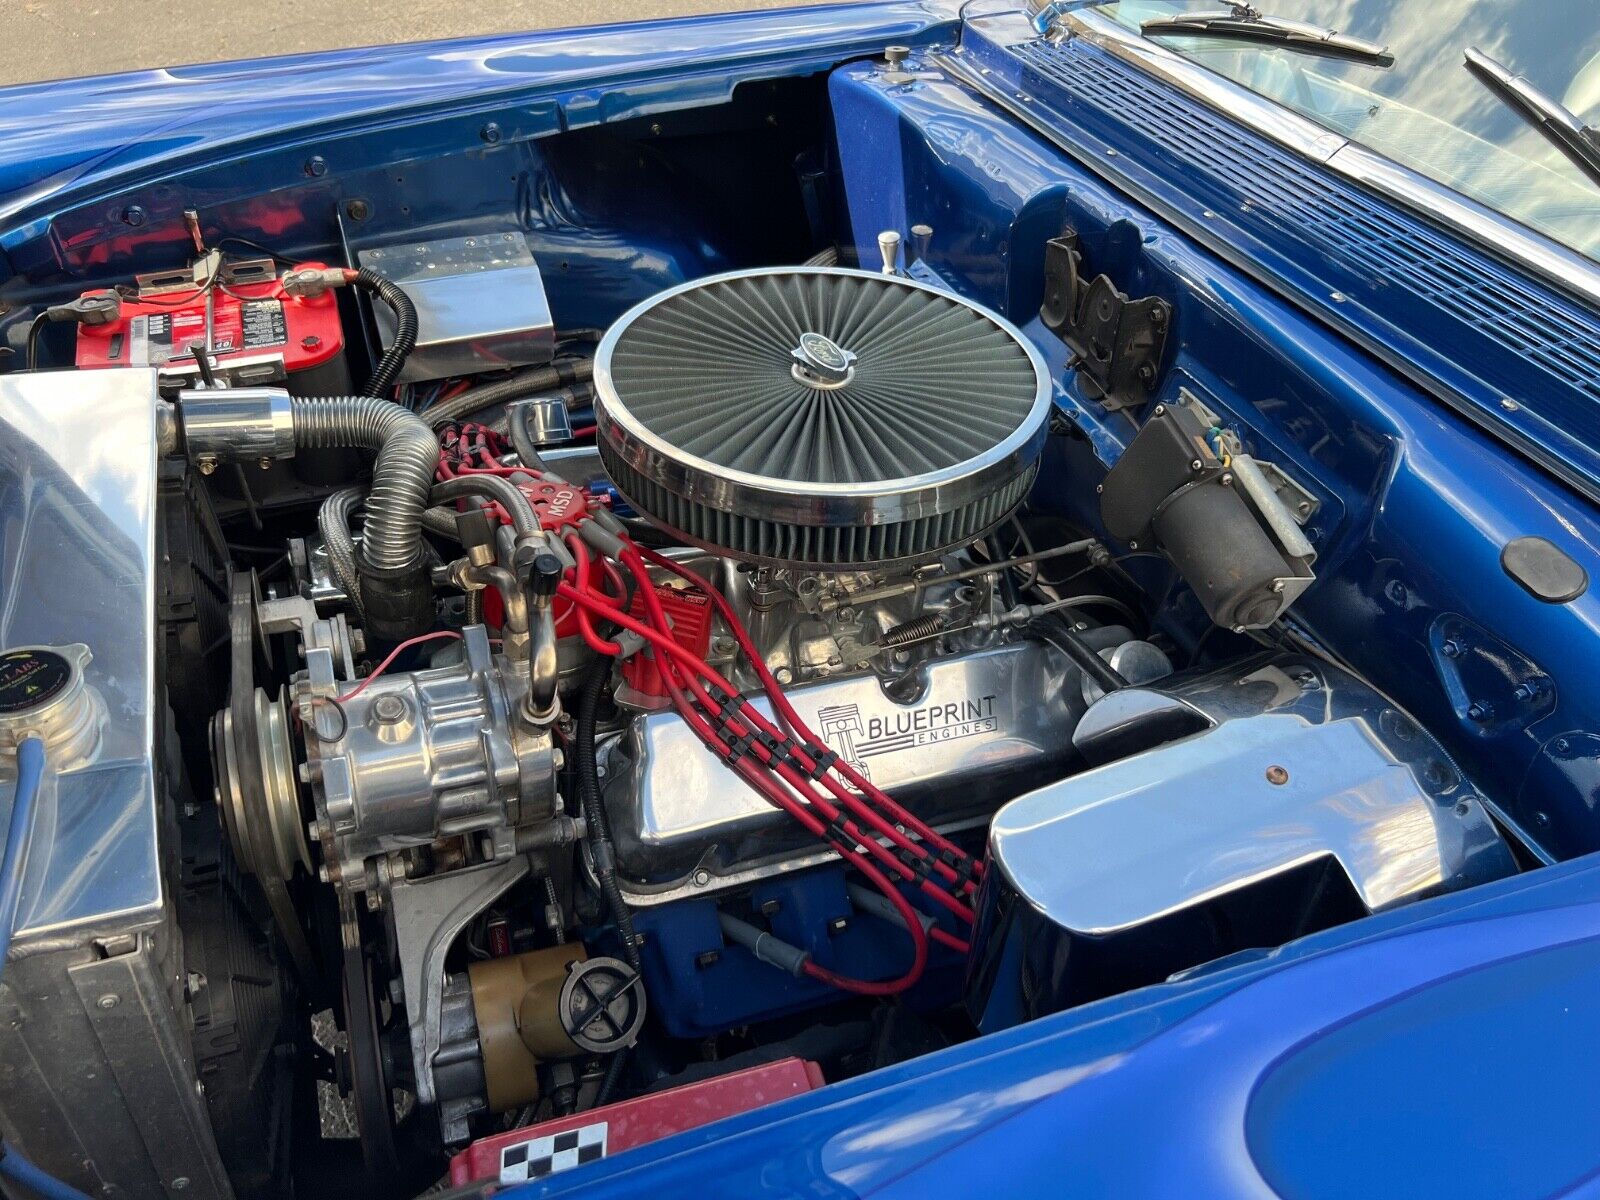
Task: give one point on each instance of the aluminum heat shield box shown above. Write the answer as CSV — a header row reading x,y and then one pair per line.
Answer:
x,y
480,304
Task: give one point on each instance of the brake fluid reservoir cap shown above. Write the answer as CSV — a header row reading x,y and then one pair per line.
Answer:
x,y
43,694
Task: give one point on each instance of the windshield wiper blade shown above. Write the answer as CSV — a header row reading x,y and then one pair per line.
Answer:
x,y
1579,142
1244,23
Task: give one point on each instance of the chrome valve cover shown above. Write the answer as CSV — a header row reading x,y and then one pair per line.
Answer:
x,y
979,729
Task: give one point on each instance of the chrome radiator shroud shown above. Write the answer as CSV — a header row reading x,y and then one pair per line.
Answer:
x,y
985,726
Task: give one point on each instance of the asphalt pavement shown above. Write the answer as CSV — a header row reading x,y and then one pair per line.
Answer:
x,y
59,39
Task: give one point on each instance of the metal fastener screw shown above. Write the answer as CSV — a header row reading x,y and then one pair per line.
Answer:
x,y
1451,648
357,210
264,463
490,133
1560,745
1480,711
316,166
702,878
1277,775
1196,465
133,215
207,464
108,1002
181,1182
1509,404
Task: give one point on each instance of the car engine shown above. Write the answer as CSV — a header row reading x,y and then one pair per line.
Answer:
x,y
567,717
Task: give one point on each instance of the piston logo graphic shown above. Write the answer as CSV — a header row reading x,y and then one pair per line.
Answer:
x,y
856,738
841,726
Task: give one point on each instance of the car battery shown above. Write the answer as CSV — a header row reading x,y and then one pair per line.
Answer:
x,y
256,334
538,1151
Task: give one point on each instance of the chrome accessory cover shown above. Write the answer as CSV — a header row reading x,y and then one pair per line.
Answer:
x,y
820,417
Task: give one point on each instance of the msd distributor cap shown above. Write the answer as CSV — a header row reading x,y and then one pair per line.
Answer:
x,y
822,418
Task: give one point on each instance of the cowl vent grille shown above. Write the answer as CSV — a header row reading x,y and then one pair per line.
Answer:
x,y
820,417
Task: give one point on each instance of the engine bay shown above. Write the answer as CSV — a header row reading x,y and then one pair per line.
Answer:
x,y
531,662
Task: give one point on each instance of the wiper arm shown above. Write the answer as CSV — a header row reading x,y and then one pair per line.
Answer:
x,y
1562,126
1244,23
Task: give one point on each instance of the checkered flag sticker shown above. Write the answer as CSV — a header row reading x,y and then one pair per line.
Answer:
x,y
541,1156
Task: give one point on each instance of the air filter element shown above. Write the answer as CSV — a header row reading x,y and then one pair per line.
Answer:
x,y
823,418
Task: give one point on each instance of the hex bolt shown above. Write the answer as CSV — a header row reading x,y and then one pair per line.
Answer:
x,y
702,878
133,215
490,133
1480,711
316,166
1451,648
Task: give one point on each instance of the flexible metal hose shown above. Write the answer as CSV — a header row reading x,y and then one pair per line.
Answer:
x,y
497,488
408,455
529,383
333,522
396,594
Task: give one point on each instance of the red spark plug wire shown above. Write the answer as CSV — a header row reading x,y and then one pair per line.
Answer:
x,y
808,818
749,716
792,720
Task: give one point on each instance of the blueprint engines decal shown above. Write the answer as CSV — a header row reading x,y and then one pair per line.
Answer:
x,y
858,737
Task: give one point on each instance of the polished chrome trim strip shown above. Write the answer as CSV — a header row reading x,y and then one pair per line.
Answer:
x,y
1493,231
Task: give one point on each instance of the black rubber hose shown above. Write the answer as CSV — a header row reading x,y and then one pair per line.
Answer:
x,y
594,813
1056,630
35,328
405,330
529,383
612,1078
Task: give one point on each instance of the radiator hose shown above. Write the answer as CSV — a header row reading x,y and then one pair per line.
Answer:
x,y
395,589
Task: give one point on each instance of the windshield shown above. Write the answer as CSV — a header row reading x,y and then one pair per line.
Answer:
x,y
1426,111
